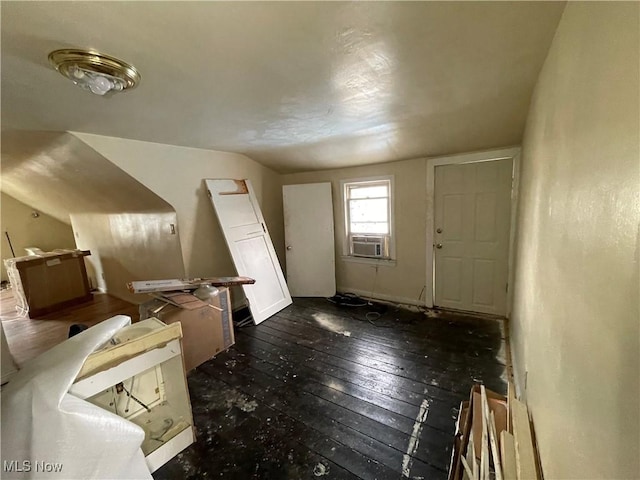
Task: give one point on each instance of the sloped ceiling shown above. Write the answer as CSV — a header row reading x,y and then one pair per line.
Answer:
x,y
60,175
296,86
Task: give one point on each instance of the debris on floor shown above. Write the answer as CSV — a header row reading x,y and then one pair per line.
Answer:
x,y
320,470
493,439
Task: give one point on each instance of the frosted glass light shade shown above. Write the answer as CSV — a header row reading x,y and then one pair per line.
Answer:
x,y
98,83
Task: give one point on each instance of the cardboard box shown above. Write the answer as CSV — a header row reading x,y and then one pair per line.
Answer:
x,y
53,281
206,331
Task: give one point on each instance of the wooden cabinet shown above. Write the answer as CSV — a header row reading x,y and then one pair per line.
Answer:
x,y
140,376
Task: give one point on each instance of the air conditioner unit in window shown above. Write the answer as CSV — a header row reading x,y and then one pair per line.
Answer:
x,y
376,246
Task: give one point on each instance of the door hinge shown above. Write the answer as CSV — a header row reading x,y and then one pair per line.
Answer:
x,y
264,229
208,193
506,287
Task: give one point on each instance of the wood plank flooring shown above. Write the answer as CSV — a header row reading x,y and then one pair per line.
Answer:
x,y
335,392
29,337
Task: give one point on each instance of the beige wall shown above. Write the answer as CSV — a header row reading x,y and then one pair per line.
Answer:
x,y
575,326
44,232
404,281
124,224
175,174
127,247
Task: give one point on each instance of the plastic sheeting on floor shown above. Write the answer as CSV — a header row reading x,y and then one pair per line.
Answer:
x,y
49,433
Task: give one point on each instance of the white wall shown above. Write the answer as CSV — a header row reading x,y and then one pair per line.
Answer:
x,y
575,326
44,232
176,173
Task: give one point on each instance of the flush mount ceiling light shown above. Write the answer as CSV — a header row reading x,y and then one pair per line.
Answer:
x,y
94,71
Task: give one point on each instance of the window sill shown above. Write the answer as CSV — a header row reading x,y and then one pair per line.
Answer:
x,y
369,261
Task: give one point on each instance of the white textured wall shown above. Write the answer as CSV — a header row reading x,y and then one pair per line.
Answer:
x,y
175,174
575,325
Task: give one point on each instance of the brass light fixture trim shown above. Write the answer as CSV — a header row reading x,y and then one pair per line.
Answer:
x,y
94,71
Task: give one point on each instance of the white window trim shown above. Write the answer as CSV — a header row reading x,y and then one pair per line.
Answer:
x,y
346,256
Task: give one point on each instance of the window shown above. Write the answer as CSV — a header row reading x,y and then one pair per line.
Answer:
x,y
368,217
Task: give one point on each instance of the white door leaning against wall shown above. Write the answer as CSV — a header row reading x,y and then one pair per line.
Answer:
x,y
250,246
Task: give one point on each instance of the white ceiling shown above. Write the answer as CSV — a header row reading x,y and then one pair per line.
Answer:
x,y
296,86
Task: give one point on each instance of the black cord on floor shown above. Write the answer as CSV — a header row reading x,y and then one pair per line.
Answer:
x,y
348,300
352,300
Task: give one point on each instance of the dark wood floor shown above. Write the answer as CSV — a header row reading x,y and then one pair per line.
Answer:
x,y
336,392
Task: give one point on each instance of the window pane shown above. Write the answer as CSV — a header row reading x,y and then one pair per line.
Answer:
x,y
368,191
370,227
368,210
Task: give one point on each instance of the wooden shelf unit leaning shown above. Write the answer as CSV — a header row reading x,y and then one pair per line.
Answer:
x,y
141,377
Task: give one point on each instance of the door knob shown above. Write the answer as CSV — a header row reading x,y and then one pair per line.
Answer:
x,y
289,247
439,245
439,230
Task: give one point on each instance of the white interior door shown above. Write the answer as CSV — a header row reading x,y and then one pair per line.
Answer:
x,y
472,222
250,245
308,231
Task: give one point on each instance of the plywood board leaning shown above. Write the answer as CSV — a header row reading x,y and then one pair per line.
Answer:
x,y
484,456
469,431
468,474
511,395
474,465
493,439
525,456
497,405
508,454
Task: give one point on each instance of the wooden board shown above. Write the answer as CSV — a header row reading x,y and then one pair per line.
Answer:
x,y
508,454
116,354
182,300
525,456
497,405
493,438
484,451
511,395
147,286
